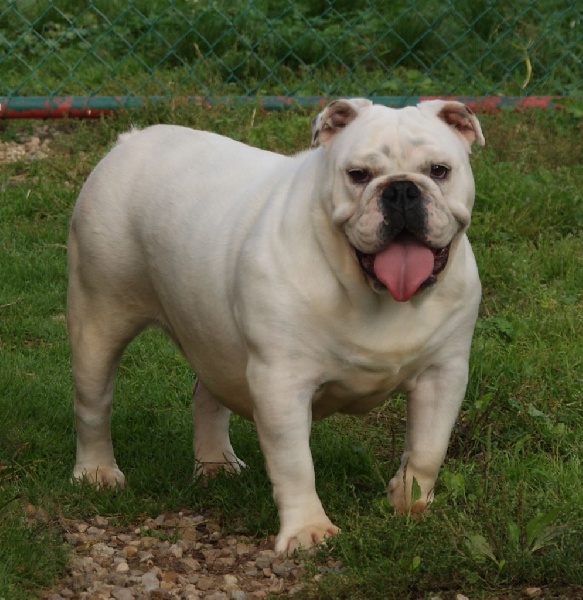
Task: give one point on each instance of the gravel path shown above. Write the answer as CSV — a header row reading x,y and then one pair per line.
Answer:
x,y
177,555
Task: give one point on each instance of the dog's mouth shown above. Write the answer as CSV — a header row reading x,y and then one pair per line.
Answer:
x,y
405,266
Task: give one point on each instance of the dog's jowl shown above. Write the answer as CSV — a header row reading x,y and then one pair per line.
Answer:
x,y
295,287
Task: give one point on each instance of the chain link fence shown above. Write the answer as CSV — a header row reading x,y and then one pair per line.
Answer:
x,y
290,48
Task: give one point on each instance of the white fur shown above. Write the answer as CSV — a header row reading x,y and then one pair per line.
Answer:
x,y
234,253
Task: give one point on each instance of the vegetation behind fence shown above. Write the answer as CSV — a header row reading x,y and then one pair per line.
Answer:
x,y
290,47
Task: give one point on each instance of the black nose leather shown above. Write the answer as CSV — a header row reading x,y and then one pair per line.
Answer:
x,y
400,195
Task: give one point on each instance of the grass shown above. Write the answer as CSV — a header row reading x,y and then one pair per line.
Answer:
x,y
508,512
299,48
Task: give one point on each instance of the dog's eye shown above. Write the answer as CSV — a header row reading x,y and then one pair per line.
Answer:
x,y
359,176
439,171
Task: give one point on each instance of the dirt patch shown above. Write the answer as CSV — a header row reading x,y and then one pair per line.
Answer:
x,y
30,147
177,555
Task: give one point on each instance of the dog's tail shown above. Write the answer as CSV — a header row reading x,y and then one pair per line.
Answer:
x,y
124,137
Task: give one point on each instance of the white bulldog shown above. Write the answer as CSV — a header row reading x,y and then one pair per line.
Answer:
x,y
296,287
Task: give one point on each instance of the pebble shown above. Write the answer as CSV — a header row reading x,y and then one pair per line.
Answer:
x,y
122,594
100,521
284,568
263,562
205,583
129,551
102,549
191,564
150,581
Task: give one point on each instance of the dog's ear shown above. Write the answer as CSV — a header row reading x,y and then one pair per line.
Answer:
x,y
335,117
459,117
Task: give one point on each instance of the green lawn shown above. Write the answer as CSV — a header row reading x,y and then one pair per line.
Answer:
x,y
508,512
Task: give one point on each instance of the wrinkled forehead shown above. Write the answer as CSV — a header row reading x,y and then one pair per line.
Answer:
x,y
380,133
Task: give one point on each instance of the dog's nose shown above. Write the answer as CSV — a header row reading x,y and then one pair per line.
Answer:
x,y
399,195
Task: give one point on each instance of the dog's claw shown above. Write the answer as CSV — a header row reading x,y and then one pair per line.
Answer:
x,y
102,477
306,538
205,470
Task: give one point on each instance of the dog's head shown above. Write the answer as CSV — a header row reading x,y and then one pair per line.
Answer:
x,y
400,185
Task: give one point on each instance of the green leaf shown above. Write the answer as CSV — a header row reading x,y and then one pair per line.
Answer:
x,y
483,401
535,412
415,491
455,483
513,534
504,326
479,547
539,532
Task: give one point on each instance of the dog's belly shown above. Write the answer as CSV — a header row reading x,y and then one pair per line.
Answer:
x,y
359,391
333,398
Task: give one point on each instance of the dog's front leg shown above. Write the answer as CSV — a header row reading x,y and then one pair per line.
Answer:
x,y
283,416
432,408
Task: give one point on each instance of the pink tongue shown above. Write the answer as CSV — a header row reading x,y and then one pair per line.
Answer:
x,y
403,266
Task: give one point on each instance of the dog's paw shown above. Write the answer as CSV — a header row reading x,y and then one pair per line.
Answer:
x,y
304,538
205,469
401,497
110,477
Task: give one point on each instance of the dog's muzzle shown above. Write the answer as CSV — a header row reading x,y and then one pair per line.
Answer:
x,y
406,264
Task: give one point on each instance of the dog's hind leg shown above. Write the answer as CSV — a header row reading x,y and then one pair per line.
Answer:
x,y
99,331
212,445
